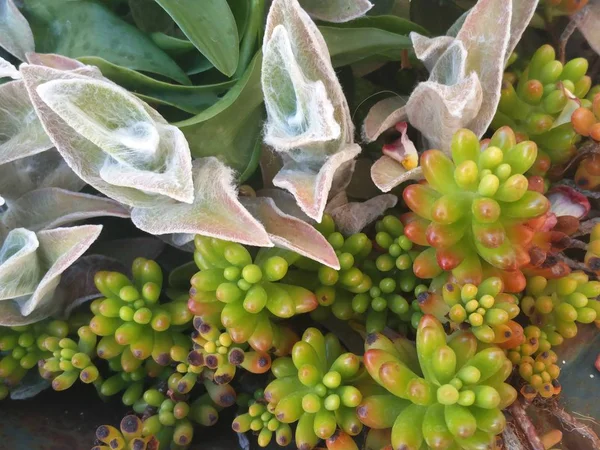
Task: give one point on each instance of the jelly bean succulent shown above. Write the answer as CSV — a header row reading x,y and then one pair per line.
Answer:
x,y
473,210
316,387
549,103
444,392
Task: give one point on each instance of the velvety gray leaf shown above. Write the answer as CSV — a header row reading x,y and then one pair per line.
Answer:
x,y
16,37
20,268
7,70
387,173
58,250
290,233
588,19
85,28
211,27
30,386
55,61
429,50
131,182
43,170
353,217
336,10
53,207
22,132
285,202
215,212
383,116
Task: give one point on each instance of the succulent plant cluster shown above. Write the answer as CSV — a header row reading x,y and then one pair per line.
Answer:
x,y
313,309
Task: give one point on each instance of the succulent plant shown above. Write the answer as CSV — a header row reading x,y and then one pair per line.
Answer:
x,y
547,103
245,297
557,306
316,387
444,392
474,208
130,435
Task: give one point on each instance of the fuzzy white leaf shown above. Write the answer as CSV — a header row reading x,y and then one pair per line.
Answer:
x,y
336,10
587,21
485,35
16,36
58,250
21,133
7,70
89,161
451,67
215,212
53,60
342,178
428,49
310,184
142,150
308,121
383,116
438,111
286,203
43,170
53,207
353,217
387,173
522,13
291,233
20,268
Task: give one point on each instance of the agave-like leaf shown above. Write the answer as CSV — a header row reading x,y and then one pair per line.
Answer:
x,y
352,217
336,10
288,232
112,140
43,170
47,208
16,37
309,120
22,132
215,212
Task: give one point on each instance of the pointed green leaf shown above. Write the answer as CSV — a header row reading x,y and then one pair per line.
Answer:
x,y
16,37
211,27
84,28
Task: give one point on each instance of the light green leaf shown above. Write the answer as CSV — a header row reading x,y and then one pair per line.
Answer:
x,y
230,128
111,139
16,37
150,17
47,208
215,212
84,28
192,99
211,27
336,10
22,133
393,24
183,52
20,269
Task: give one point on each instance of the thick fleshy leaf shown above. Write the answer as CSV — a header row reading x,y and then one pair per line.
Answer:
x,y
22,132
451,66
85,28
215,212
383,116
387,173
310,186
353,217
286,203
16,37
291,233
7,70
211,27
43,170
192,99
587,21
428,49
47,208
336,10
141,159
231,128
438,111
485,35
